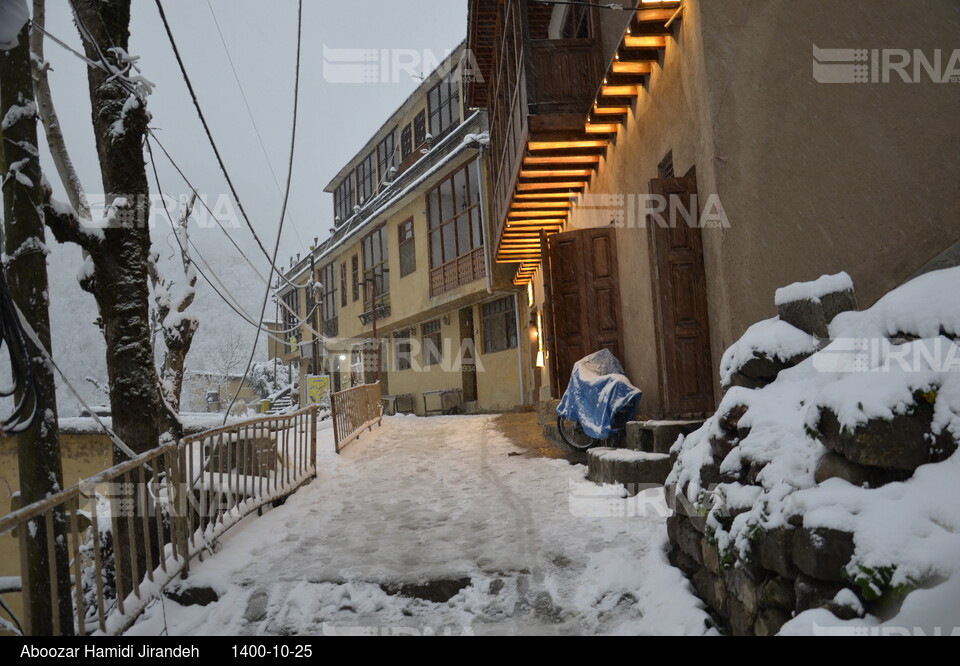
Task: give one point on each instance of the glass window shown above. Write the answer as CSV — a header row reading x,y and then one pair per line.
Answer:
x,y
499,326
406,142
387,158
444,105
376,266
344,200
403,349
453,212
408,249
366,178
432,343
420,129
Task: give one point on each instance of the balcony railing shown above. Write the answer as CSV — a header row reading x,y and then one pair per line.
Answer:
x,y
457,273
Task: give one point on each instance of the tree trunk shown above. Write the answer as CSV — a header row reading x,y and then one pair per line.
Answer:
x,y
120,281
41,474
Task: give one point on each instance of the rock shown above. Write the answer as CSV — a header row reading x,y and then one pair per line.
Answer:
x,y
778,593
257,606
496,586
822,553
658,436
761,367
547,412
710,475
741,380
722,446
837,302
711,556
834,466
741,619
187,595
743,587
807,315
903,443
812,593
689,540
769,622
684,562
711,590
730,421
776,552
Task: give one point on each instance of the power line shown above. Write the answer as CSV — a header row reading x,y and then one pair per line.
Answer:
x,y
253,121
286,201
213,143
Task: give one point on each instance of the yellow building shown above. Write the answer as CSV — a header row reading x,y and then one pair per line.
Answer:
x,y
405,291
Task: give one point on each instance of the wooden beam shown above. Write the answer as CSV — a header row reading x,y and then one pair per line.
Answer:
x,y
602,128
646,41
543,195
657,15
561,159
556,173
610,111
624,67
619,91
564,145
533,187
534,205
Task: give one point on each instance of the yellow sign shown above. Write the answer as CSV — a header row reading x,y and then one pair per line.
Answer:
x,y
318,390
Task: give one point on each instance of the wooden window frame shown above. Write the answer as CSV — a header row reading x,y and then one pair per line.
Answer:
x,y
407,244
372,270
443,106
432,331
387,157
420,130
403,349
366,178
499,325
355,270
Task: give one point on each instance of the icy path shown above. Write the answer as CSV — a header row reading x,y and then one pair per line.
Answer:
x,y
441,499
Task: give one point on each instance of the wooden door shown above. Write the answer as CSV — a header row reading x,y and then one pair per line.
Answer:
x,y
584,297
468,351
680,302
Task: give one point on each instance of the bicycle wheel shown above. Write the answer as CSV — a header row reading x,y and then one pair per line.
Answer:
x,y
572,434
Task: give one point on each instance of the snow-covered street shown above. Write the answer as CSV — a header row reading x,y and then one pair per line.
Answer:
x,y
436,508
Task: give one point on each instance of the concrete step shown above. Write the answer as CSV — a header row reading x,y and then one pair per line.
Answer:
x,y
657,436
635,470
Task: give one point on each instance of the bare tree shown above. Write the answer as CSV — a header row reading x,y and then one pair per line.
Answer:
x,y
177,328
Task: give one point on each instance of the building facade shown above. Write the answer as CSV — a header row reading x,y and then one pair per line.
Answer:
x,y
656,173
405,290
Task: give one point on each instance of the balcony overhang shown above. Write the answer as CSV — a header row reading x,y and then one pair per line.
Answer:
x,y
563,153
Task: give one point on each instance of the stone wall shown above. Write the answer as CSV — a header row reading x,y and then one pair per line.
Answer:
x,y
793,567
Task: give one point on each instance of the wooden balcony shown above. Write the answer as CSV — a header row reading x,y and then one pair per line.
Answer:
x,y
555,106
458,273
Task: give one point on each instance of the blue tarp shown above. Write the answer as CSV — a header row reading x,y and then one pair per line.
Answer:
x,y
599,396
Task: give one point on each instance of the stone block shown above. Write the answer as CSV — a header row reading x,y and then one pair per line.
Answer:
x,y
822,553
776,552
902,443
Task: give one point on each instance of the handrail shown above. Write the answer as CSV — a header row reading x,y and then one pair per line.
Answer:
x,y
354,411
161,509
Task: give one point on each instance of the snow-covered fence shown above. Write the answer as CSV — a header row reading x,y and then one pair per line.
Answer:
x,y
354,411
134,528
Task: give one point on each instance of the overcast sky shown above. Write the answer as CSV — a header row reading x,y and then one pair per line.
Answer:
x,y
336,120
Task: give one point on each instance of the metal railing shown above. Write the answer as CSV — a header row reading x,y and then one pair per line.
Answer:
x,y
354,411
132,529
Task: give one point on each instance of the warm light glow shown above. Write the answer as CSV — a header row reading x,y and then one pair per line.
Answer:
x,y
632,68
566,159
602,128
542,204
610,111
564,145
533,187
559,173
619,91
645,42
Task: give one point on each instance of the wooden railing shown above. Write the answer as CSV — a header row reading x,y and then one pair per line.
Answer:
x,y
354,411
120,537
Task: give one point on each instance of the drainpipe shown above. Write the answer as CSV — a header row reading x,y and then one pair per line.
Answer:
x,y
523,383
483,222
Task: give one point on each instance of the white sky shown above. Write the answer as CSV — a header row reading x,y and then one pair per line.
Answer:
x,y
336,120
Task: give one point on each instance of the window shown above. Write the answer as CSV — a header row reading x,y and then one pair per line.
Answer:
x,y
408,249
376,267
366,179
665,169
403,349
443,101
432,343
499,326
576,23
344,201
453,211
420,129
355,268
387,157
290,311
343,285
328,300
406,142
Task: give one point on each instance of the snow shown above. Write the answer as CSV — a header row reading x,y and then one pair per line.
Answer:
x,y
18,112
438,499
911,528
772,338
626,455
814,291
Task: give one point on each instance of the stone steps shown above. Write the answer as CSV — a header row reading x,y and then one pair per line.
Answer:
x,y
635,470
657,436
